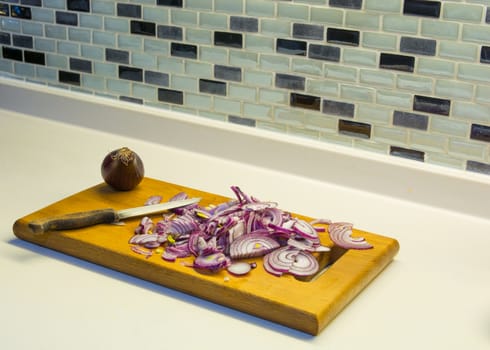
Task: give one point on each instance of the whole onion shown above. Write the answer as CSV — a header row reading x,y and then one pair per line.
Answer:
x,y
122,169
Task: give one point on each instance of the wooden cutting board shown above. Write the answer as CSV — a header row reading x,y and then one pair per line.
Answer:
x,y
304,305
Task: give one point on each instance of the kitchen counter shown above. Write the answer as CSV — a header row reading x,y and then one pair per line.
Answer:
x,y
434,295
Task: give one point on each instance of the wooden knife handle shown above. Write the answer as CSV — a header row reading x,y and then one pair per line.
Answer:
x,y
74,221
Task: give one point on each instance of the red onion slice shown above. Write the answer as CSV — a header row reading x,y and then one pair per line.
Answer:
x,y
239,268
290,260
341,234
252,245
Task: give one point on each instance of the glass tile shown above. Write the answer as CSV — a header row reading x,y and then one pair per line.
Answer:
x,y
291,47
227,73
352,4
343,36
212,87
356,129
156,78
305,101
78,5
480,132
244,24
228,39
80,65
69,77
431,105
324,52
422,8
418,46
288,81
410,120
119,56
362,20
397,62
169,32
128,10
143,28
42,15
67,18
462,12
308,31
293,11
407,153
130,73
20,12
342,109
183,50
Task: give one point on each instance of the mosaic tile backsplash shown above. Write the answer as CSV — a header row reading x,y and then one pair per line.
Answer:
x,y
408,78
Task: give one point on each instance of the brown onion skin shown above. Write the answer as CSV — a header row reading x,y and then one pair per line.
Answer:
x,y
122,169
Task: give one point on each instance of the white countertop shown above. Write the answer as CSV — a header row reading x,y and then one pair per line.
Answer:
x,y
435,294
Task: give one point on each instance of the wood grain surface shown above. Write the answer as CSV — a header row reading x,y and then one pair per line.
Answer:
x,y
304,305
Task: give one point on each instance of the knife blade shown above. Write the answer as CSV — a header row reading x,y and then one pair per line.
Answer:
x,y
101,216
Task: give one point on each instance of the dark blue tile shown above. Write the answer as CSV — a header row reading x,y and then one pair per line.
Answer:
x,y
78,5
4,10
343,36
67,18
130,73
5,38
69,77
410,120
32,2
183,50
129,10
308,31
288,81
130,99
397,62
119,56
169,32
407,153
234,40
173,3
23,41
304,101
156,78
20,12
241,121
422,8
478,167
352,4
171,96
324,52
143,28
227,73
342,109
291,47
12,54
80,65
431,105
34,57
485,54
244,24
418,46
480,132
356,129
212,87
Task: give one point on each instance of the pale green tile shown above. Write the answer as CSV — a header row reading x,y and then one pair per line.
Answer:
x,y
458,50
320,122
130,42
259,43
414,83
213,115
159,14
170,64
327,15
482,94
444,160
144,60
243,59
476,72
341,72
467,149
145,92
92,52
462,12
373,114
362,20
155,46
199,4
360,57
11,25
454,89
377,77
337,139
119,86
181,109
258,78
213,20
68,48
273,96
102,7
91,21
228,6
400,24
427,141
288,116
470,111
104,38
394,136
105,69
58,61
307,66
256,111
274,63
380,41
322,87
40,14
93,82
198,101
183,17
265,125
357,93
55,4
32,28
435,67
184,83
55,31
383,5
451,127
293,11
45,45
47,73
242,92
198,36
476,33
259,8
302,132
440,29
81,35
213,54
116,24
225,105
199,69
394,98
276,27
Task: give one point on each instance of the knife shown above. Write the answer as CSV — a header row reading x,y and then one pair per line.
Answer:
x,y
101,216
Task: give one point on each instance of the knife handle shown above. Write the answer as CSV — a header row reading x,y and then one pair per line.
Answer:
x,y
74,221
